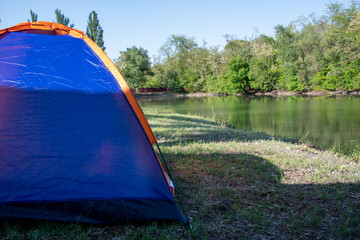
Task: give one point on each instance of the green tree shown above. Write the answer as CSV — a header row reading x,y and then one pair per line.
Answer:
x,y
180,44
291,57
134,65
341,47
217,60
94,31
178,62
263,59
210,62
33,16
158,70
237,48
237,75
61,19
261,76
284,35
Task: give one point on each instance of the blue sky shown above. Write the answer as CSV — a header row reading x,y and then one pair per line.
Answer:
x,y
148,23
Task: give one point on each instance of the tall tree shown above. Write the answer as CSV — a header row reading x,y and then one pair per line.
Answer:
x,y
177,54
60,18
180,44
134,65
94,31
263,69
33,16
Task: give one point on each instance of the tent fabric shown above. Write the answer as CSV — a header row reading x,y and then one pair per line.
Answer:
x,y
72,144
97,211
58,29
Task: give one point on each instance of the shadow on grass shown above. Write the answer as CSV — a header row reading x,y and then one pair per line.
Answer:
x,y
172,130
231,193
189,120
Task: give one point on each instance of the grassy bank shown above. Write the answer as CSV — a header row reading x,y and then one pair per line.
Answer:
x,y
236,184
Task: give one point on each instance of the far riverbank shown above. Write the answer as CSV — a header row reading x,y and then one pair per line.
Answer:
x,y
272,93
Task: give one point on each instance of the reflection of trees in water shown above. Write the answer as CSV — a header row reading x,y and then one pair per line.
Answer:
x,y
324,121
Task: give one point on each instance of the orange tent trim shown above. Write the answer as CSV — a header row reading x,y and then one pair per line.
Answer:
x,y
58,29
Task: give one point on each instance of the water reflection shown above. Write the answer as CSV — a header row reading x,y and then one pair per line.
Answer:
x,y
323,121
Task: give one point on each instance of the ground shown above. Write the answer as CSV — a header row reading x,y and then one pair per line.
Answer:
x,y
235,185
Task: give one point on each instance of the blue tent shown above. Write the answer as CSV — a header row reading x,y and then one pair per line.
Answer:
x,y
74,144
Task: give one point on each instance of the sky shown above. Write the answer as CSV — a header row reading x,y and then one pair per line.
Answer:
x,y
148,24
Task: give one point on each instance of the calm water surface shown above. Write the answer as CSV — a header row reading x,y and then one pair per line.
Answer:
x,y
324,121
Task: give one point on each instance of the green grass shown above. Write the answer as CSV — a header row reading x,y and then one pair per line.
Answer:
x,y
236,185
337,147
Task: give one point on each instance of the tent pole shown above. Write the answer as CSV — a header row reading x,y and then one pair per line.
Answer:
x,y
171,178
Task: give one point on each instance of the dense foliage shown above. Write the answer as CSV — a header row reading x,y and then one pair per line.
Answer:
x,y
315,53
134,65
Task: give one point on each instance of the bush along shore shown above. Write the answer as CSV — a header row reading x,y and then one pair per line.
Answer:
x,y
235,185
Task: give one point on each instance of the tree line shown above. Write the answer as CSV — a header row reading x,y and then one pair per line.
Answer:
x,y
309,54
94,30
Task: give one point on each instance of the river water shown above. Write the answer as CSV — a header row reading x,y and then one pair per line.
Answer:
x,y
323,121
